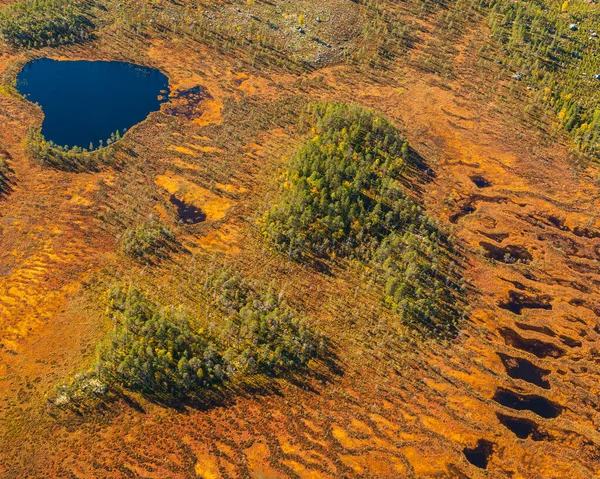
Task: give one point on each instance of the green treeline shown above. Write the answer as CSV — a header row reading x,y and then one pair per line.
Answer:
x,y
553,45
344,194
166,352
68,159
44,23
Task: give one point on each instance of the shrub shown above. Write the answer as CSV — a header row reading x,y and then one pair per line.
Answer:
x,y
84,387
147,242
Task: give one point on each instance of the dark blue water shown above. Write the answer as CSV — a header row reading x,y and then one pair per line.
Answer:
x,y
84,101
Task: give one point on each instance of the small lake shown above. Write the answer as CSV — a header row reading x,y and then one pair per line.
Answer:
x,y
86,101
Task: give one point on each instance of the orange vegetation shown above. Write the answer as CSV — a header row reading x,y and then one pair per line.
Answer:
x,y
399,409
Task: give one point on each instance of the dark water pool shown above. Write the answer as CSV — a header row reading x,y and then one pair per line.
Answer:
x,y
188,213
86,101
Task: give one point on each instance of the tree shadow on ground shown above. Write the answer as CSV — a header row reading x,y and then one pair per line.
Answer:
x,y
104,408
323,370
7,175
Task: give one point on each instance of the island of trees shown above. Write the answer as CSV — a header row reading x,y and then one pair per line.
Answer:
x,y
169,354
346,193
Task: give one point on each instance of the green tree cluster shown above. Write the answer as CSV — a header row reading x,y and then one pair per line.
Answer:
x,y
43,23
261,334
340,193
344,194
166,353
156,350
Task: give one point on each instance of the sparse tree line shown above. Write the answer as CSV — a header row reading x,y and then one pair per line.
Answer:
x,y
344,194
70,159
384,37
381,37
554,47
167,353
202,22
45,23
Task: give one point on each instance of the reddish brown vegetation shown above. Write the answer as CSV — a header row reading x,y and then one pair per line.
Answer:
x,y
396,408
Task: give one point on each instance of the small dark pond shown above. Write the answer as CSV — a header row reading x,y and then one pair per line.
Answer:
x,y
188,213
522,427
521,368
479,455
532,402
86,101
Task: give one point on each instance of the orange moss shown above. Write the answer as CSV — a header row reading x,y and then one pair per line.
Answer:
x,y
213,206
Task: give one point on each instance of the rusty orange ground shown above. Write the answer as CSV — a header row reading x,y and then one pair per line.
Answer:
x,y
403,412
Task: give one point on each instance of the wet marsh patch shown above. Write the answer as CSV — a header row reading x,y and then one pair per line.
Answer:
x,y
538,329
189,214
508,254
522,427
466,209
480,181
497,237
188,103
518,301
213,206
